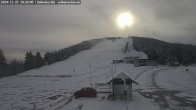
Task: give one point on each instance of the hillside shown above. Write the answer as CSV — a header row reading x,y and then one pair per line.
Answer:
x,y
51,87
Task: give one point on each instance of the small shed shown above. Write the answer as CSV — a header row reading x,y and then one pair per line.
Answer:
x,y
122,85
118,61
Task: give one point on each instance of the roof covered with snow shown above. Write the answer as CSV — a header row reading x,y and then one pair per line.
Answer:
x,y
134,53
122,75
143,55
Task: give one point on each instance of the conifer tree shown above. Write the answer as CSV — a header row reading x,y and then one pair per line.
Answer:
x,y
39,62
3,63
29,61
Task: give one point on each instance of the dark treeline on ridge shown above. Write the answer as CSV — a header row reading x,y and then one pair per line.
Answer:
x,y
62,54
36,61
164,52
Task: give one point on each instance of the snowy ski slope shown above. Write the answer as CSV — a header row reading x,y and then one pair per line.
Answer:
x,y
51,87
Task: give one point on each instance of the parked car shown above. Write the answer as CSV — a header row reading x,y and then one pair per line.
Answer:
x,y
85,92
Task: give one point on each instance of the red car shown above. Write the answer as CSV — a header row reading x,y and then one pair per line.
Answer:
x,y
85,92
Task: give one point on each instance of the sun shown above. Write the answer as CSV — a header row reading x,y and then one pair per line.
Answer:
x,y
125,20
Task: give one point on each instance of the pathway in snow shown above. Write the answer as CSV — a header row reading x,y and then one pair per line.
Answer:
x,y
167,99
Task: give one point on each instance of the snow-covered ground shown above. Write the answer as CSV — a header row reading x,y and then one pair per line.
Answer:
x,y
171,87
51,87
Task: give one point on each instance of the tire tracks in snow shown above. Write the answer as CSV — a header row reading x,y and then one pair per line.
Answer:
x,y
143,72
154,75
167,99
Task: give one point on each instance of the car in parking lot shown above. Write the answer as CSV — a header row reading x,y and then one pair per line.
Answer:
x,y
85,92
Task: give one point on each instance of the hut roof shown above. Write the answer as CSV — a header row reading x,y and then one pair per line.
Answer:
x,y
122,75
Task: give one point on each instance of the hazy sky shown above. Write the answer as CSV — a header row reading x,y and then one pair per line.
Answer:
x,y
48,28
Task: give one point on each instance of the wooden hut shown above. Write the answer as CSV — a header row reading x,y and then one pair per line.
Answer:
x,y
121,85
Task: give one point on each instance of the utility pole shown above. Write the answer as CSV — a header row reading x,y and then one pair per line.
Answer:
x,y
187,75
34,106
74,72
90,75
106,79
115,68
112,82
